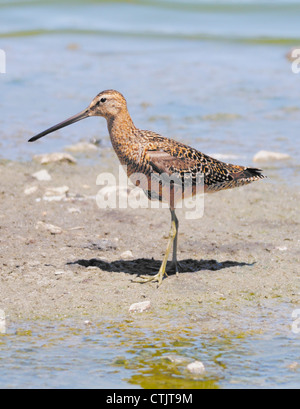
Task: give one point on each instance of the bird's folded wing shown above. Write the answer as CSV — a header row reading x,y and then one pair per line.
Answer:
x,y
181,170
163,162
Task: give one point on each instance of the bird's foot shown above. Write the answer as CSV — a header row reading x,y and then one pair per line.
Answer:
x,y
174,267
154,278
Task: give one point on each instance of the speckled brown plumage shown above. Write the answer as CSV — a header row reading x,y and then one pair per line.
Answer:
x,y
150,154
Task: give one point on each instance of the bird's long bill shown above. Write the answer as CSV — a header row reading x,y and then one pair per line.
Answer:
x,y
69,121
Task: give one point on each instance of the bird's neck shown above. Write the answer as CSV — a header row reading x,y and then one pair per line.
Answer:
x,y
121,130
120,123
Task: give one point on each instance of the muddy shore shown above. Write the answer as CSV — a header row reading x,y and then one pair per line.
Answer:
x,y
244,252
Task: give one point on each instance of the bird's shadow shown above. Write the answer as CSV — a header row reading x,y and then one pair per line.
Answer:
x,y
144,266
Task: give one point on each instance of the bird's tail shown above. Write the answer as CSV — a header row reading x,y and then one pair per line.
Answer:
x,y
248,175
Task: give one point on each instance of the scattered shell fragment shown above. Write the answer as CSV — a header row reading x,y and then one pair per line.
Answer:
x,y
56,193
196,368
140,306
44,159
74,210
49,227
87,322
30,190
42,176
59,273
126,255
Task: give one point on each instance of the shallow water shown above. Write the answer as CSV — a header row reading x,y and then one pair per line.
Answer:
x,y
133,352
214,75
211,74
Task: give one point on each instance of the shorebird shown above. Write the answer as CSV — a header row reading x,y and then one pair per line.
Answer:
x,y
150,154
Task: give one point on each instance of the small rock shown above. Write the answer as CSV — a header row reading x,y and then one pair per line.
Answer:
x,y
126,255
59,273
49,227
87,322
66,273
42,176
283,248
30,190
74,210
82,147
140,306
266,156
56,193
196,368
54,157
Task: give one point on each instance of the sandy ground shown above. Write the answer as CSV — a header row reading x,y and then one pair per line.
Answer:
x,y
244,251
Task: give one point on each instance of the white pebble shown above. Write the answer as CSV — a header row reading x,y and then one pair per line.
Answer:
x,y
42,176
196,368
30,190
140,306
87,322
74,210
283,248
126,255
49,227
66,273
56,194
266,156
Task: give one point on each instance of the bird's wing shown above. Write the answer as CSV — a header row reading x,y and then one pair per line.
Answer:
x,y
165,162
185,162
181,170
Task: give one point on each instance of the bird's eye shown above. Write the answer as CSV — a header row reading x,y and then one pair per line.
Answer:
x,y
102,99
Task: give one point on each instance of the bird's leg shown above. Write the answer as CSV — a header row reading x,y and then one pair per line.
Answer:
x,y
172,236
175,265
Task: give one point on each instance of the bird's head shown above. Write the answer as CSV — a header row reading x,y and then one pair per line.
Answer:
x,y
107,104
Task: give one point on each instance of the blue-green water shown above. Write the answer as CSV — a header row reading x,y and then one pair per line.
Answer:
x,y
135,352
211,74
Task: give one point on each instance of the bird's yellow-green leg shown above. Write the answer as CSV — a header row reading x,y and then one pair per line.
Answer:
x,y
175,265
172,237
